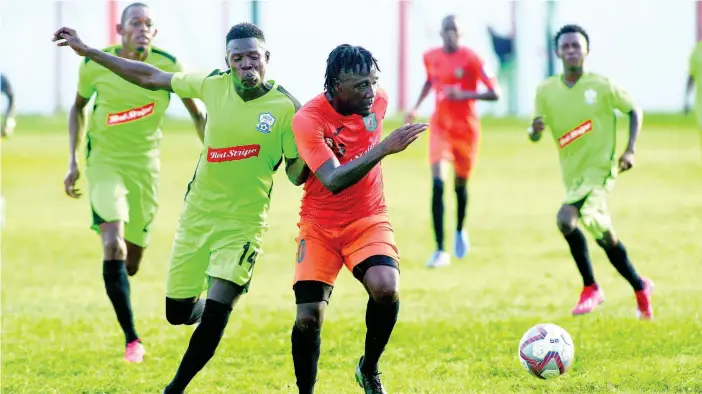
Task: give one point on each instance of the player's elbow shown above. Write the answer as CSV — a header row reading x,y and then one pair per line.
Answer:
x,y
298,179
493,95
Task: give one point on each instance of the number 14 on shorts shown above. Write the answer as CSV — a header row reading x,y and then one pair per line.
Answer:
x,y
249,255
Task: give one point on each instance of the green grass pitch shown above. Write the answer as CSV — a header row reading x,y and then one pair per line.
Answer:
x,y
459,326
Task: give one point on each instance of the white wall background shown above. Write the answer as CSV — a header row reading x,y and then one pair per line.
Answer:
x,y
643,45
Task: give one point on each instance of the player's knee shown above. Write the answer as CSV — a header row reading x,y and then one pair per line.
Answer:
x,y
386,294
460,183
114,248
608,240
310,317
438,188
178,311
567,220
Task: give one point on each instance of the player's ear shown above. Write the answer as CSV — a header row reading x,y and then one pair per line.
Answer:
x,y
268,56
154,33
120,29
226,60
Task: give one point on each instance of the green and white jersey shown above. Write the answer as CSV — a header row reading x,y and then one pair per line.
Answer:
x,y
245,143
124,128
583,123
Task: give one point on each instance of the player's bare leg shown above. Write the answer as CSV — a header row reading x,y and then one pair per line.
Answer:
x,y
591,295
306,334
134,255
461,241
382,282
440,258
213,318
114,273
618,256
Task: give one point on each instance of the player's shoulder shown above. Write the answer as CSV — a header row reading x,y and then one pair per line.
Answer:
x,y
599,81
312,111
549,84
433,53
162,56
288,100
112,49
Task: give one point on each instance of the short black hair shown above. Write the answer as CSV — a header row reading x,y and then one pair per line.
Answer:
x,y
347,57
129,7
245,30
572,29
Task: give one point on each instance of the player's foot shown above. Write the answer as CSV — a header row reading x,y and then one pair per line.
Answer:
x,y
369,382
461,245
439,259
644,310
590,298
134,352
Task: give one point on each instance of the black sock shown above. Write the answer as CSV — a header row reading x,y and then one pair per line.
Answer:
x,y
462,205
581,255
114,273
437,211
202,345
181,312
380,320
620,260
305,351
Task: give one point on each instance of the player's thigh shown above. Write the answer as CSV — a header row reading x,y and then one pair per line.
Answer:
x,y
234,252
366,238
439,146
594,212
318,256
107,194
464,150
190,257
142,198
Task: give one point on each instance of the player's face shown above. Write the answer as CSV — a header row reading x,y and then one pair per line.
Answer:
x,y
572,49
450,33
356,90
247,59
137,30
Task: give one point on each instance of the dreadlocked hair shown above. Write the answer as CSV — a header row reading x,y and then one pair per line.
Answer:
x,y
347,58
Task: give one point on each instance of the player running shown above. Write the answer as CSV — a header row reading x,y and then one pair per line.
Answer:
x,y
343,219
122,158
7,125
220,229
454,72
578,107
694,82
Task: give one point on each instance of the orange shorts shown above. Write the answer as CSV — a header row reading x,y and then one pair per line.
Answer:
x,y
458,145
322,251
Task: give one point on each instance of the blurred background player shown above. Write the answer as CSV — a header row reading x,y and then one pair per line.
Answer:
x,y
579,109
453,71
220,230
122,158
694,82
343,219
7,123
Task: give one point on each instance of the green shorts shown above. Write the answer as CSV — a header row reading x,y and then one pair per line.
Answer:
x,y
591,202
209,247
118,195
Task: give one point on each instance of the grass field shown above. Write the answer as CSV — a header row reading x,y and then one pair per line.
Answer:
x,y
459,326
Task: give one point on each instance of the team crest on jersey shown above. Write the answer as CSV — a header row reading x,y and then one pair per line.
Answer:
x,y
265,122
458,73
371,122
590,96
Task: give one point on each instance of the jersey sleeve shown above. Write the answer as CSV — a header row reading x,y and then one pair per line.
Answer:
x,y
622,99
188,85
540,102
86,87
289,146
309,137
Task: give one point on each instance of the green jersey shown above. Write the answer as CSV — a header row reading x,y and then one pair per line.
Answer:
x,y
125,126
582,120
696,74
245,142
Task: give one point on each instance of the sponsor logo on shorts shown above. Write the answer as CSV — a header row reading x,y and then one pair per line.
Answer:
x,y
130,115
576,133
217,155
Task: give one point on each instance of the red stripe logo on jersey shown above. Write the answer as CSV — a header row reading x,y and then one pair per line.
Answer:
x,y
130,115
218,155
576,133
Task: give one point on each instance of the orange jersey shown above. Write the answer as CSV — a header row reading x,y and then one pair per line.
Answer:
x,y
321,134
462,69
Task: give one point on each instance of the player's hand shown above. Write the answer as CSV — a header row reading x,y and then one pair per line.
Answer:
x,y
68,37
402,137
410,116
538,124
626,161
69,182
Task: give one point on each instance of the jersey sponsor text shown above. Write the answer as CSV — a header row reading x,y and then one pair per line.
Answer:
x,y
576,133
216,155
130,115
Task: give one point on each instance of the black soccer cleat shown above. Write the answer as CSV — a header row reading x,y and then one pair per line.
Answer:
x,y
369,382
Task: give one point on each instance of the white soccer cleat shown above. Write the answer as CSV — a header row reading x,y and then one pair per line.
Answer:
x,y
461,244
439,259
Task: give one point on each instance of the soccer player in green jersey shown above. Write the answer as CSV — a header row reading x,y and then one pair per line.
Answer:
x,y
221,227
579,109
122,158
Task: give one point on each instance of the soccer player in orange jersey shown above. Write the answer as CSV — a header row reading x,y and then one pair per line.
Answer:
x,y
454,73
344,220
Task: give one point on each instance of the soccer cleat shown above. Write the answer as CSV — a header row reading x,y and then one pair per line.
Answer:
x,y
439,259
134,352
369,382
461,245
590,298
644,310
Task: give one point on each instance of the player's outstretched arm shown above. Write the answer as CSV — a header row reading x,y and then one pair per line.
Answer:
x,y
422,96
296,170
197,116
76,121
138,73
337,178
